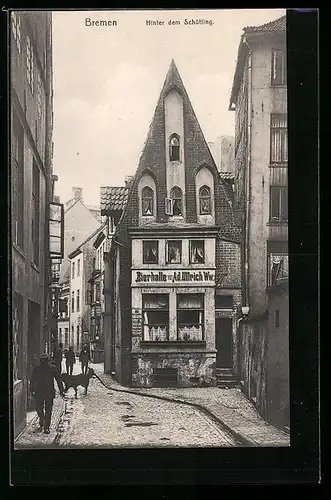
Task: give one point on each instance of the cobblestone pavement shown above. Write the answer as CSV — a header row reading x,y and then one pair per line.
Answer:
x,y
105,418
230,406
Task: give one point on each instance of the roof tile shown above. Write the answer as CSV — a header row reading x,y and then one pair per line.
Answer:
x,y
276,25
113,198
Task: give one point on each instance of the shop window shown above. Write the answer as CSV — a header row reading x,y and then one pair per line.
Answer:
x,y
155,317
174,252
174,148
177,201
150,252
278,268
190,314
197,252
205,200
224,302
147,200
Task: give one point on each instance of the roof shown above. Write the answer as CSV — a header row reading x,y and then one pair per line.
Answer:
x,y
113,199
79,248
276,26
227,175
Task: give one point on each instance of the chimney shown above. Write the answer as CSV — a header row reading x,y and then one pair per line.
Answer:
x,y
78,193
128,180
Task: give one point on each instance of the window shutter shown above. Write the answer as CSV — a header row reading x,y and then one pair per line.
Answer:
x,y
168,206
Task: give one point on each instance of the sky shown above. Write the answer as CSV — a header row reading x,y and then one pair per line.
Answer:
x,y
107,81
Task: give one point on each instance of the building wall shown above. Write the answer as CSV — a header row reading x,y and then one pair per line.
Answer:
x,y
31,281
76,283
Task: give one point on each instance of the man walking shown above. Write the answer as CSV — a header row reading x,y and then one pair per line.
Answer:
x,y
84,358
70,360
42,388
58,358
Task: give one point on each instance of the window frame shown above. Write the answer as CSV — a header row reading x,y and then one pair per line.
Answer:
x,y
282,80
283,131
145,243
190,251
78,268
273,281
200,310
18,183
205,197
180,245
146,310
73,301
174,157
73,270
78,300
281,203
176,194
149,197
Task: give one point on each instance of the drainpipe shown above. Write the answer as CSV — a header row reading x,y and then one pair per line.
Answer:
x,y
248,171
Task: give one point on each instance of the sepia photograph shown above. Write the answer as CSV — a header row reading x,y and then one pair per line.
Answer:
x,y
149,229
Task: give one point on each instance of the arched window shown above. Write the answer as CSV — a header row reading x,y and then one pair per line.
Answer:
x,y
177,197
147,200
174,146
205,200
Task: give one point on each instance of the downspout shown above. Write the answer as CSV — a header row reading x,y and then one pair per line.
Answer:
x,y
248,171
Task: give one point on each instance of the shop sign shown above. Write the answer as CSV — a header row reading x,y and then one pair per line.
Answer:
x,y
197,277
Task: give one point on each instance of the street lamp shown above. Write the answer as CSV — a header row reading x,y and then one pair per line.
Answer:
x,y
245,313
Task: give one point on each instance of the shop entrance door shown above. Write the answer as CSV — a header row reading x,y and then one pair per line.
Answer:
x,y
224,342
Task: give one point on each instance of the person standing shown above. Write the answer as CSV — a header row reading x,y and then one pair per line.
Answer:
x,y
42,388
58,358
70,360
84,358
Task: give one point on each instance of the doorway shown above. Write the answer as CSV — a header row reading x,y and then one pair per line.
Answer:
x,y
223,342
33,341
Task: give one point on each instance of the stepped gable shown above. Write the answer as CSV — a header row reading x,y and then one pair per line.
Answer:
x,y
197,153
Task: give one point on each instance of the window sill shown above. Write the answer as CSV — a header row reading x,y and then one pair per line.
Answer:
x,y
35,267
18,249
172,343
277,223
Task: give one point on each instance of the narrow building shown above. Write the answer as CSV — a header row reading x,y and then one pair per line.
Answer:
x,y
31,194
259,98
174,279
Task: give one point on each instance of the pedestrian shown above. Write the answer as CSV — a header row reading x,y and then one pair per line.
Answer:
x,y
84,358
42,388
70,360
58,358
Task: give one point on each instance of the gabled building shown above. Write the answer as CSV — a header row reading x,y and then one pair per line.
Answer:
x,y
259,99
81,263
174,265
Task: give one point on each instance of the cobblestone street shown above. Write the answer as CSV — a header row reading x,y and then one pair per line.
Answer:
x,y
105,418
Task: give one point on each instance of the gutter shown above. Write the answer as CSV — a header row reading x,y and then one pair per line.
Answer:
x,y
248,173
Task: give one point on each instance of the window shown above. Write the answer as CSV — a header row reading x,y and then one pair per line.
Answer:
x,y
35,212
155,317
17,318
60,334
174,252
278,148
278,268
72,333
66,338
29,63
97,292
177,198
72,301
205,200
147,200
78,267
277,318
16,27
174,148
73,270
78,336
56,231
197,252
17,182
278,68
224,302
190,308
78,301
278,204
150,252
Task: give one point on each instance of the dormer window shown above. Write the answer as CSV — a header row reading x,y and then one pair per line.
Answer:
x,y
147,199
177,200
174,146
205,200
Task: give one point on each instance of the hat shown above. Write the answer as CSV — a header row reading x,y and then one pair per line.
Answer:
x,y
44,356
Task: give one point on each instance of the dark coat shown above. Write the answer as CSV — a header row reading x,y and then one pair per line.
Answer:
x,y
70,357
84,356
42,381
58,356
